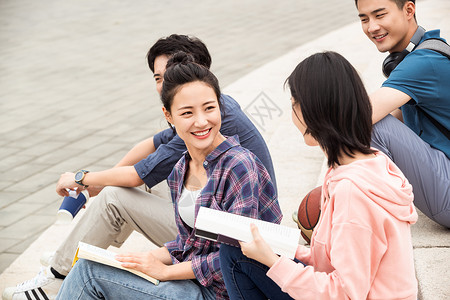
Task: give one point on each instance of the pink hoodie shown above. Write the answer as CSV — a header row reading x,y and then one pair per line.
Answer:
x,y
361,247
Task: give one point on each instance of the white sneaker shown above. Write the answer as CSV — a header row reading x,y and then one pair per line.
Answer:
x,y
46,258
44,286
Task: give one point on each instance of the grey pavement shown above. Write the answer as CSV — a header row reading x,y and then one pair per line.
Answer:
x,y
255,45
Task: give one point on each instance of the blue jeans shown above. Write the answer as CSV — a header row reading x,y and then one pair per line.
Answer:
x,y
90,280
427,169
246,278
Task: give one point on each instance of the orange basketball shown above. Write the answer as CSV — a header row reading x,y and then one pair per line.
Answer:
x,y
309,212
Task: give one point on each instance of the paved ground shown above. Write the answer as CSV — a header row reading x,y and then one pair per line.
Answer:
x,y
75,91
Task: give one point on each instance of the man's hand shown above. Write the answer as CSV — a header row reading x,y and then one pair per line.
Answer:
x,y
145,262
67,181
258,249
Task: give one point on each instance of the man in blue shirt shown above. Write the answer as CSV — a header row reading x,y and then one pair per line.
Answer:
x,y
120,208
419,86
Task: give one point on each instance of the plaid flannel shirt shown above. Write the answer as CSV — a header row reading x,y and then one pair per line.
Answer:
x,y
238,183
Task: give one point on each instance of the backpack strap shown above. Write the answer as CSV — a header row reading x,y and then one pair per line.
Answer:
x,y
436,45
444,49
438,125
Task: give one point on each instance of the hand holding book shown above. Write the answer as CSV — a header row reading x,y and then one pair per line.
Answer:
x,y
228,228
258,249
144,262
157,263
106,257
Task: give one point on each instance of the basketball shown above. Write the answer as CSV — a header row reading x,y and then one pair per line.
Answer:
x,y
308,213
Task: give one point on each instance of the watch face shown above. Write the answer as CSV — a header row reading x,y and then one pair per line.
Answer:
x,y
79,176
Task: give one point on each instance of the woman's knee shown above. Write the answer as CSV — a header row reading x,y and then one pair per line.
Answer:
x,y
87,272
77,277
82,269
229,254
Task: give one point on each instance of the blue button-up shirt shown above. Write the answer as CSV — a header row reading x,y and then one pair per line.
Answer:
x,y
238,183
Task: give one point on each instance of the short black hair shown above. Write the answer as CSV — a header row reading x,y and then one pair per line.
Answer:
x,y
182,69
334,103
400,3
175,43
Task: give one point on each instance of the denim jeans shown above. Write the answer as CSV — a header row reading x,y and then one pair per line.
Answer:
x,y
91,280
246,278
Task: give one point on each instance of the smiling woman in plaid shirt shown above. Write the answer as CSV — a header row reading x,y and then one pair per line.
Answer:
x,y
215,172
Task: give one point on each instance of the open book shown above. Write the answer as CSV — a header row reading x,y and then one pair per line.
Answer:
x,y
105,257
228,228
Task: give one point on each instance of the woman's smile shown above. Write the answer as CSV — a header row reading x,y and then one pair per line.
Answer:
x,y
202,134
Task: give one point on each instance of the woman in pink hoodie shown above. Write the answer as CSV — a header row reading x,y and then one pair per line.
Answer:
x,y
361,248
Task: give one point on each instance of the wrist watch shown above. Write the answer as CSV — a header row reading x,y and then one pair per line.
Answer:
x,y
79,176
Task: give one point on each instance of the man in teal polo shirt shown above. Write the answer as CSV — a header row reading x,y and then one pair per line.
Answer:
x,y
417,93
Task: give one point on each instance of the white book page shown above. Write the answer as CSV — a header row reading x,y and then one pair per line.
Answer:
x,y
106,257
97,252
282,239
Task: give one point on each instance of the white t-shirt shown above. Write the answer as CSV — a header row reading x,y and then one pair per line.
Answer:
x,y
186,205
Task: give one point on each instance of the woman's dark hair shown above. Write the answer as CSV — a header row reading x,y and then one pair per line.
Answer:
x,y
182,69
334,104
176,43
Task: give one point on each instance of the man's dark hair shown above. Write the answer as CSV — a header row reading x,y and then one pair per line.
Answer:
x,y
400,3
334,103
182,69
175,43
